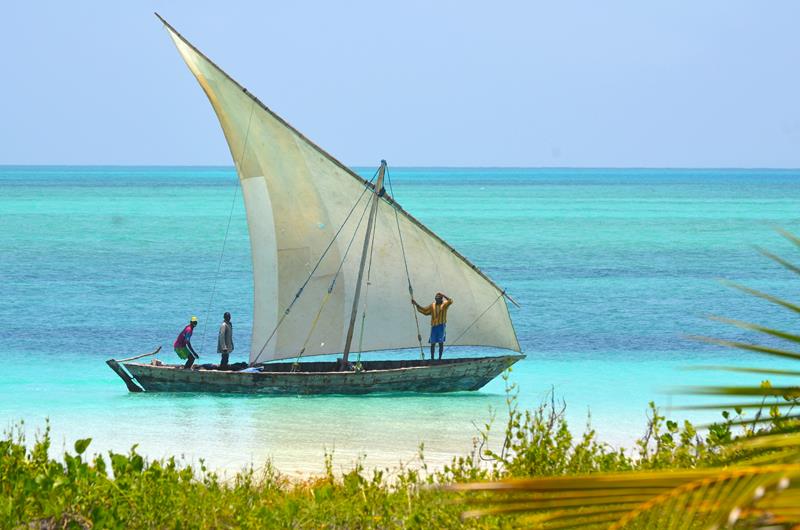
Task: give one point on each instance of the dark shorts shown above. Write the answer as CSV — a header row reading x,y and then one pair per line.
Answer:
x,y
438,334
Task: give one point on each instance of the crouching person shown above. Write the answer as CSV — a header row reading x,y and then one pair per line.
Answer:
x,y
183,344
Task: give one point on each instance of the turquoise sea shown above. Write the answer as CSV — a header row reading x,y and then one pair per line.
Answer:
x,y
613,268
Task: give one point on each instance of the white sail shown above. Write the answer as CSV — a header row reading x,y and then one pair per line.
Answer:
x,y
297,197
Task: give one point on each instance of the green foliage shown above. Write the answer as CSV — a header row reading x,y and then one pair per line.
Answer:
x,y
126,490
539,442
107,491
676,477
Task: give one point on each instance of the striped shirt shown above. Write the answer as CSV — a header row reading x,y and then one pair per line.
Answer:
x,y
438,313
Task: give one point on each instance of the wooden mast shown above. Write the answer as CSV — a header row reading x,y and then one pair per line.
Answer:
x,y
364,252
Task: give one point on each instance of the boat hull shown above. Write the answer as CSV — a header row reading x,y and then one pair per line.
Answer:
x,y
448,375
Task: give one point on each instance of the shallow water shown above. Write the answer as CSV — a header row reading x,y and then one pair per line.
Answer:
x,y
612,268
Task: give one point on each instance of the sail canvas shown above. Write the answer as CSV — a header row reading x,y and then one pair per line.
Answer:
x,y
297,197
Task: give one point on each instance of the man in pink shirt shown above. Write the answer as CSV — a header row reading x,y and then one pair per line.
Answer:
x,y
183,344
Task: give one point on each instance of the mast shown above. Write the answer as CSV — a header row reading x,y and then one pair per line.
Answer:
x,y
295,196
372,214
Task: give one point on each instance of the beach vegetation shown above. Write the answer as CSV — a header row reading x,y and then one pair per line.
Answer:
x,y
529,469
114,490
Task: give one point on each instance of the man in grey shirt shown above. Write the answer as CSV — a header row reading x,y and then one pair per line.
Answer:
x,y
225,340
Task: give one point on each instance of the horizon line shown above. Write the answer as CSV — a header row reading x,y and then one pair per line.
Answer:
x,y
370,166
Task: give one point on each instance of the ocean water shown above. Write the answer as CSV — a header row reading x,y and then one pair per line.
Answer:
x,y
613,268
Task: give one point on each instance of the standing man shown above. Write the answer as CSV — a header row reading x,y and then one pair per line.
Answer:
x,y
438,312
183,345
225,340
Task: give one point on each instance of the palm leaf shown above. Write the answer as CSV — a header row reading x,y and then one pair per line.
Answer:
x,y
755,327
747,346
752,391
745,369
662,499
754,493
789,393
774,441
765,296
779,456
792,267
735,406
788,235
784,508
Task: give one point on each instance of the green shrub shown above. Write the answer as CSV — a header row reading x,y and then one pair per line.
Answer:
x,y
126,490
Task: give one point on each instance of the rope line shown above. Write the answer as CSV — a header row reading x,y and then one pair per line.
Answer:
x,y
405,263
311,274
478,318
311,329
350,244
333,284
227,229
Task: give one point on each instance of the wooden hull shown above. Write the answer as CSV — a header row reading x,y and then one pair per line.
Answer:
x,y
448,375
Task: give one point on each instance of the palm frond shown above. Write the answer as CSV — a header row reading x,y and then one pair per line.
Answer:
x,y
774,456
661,499
783,506
765,296
735,406
788,235
743,369
760,490
755,327
788,392
751,421
774,257
774,441
748,347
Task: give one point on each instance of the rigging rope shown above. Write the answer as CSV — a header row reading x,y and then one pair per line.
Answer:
x,y
502,294
311,274
411,289
333,284
227,228
405,262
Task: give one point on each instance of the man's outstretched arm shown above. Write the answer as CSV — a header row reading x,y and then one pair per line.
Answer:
x,y
424,310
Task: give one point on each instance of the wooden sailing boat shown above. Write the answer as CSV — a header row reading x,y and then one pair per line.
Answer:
x,y
314,292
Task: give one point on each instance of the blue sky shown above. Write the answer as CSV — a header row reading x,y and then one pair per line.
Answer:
x,y
503,83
